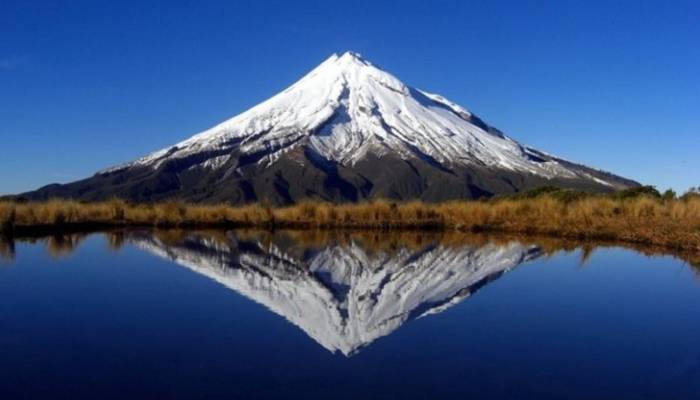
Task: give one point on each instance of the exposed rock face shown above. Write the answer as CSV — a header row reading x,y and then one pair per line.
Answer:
x,y
347,131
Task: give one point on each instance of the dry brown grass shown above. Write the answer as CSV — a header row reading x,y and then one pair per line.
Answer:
x,y
672,223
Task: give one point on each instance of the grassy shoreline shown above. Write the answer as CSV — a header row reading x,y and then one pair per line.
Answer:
x,y
672,223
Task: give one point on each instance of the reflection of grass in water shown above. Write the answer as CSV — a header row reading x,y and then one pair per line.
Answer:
x,y
7,249
299,241
63,245
115,240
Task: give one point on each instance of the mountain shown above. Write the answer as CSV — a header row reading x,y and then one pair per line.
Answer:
x,y
343,295
346,131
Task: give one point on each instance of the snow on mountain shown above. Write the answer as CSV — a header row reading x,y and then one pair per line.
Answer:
x,y
348,131
343,296
348,107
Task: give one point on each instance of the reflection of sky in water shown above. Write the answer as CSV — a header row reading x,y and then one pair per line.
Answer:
x,y
79,318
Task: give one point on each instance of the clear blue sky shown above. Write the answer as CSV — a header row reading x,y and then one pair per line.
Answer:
x,y
88,84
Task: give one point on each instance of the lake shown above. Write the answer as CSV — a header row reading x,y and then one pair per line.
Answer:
x,y
344,315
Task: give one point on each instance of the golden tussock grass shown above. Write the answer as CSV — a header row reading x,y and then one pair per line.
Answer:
x,y
666,222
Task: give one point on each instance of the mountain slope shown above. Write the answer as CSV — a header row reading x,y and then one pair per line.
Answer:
x,y
346,131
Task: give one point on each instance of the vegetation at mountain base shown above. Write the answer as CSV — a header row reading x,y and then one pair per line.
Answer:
x,y
639,215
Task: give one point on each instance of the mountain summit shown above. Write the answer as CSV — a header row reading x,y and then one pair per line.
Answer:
x,y
346,131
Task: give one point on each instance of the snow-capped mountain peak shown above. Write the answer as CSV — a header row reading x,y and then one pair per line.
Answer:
x,y
346,131
347,107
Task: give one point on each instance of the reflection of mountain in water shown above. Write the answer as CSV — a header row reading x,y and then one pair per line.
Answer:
x,y
343,295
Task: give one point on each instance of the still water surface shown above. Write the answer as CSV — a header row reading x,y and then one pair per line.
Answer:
x,y
337,315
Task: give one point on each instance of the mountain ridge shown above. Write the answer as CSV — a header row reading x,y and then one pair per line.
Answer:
x,y
346,131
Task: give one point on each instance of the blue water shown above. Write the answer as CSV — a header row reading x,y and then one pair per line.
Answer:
x,y
137,322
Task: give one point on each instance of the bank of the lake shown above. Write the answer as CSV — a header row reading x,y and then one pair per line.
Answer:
x,y
672,223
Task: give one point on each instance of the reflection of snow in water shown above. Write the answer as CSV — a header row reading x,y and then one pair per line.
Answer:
x,y
343,296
